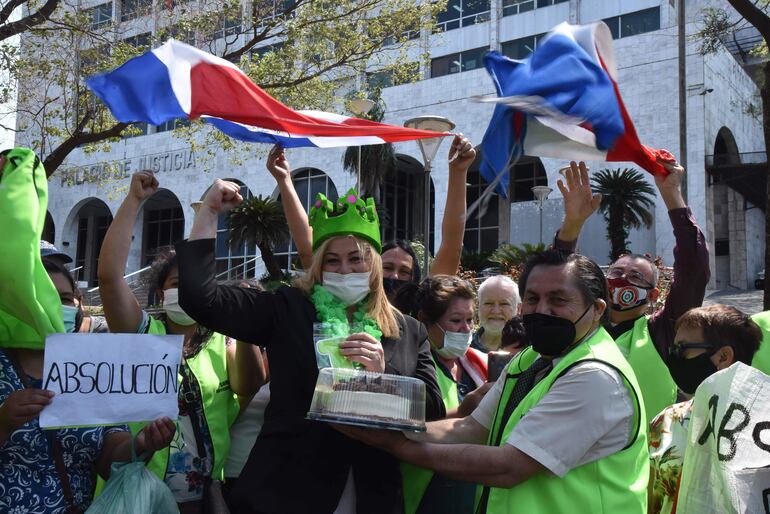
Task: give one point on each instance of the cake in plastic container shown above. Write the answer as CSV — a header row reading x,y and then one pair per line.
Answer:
x,y
369,399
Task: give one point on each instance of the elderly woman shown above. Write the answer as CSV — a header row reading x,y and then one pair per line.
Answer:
x,y
297,465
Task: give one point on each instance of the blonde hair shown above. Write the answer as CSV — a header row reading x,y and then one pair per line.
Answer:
x,y
378,307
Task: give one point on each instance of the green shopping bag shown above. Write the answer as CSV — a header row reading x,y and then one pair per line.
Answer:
x,y
132,489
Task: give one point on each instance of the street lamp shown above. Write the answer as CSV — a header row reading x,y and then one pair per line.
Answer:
x,y
541,195
428,148
359,107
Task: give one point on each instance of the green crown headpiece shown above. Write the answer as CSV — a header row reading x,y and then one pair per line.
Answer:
x,y
349,216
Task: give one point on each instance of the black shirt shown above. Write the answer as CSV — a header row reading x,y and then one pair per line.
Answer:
x,y
299,465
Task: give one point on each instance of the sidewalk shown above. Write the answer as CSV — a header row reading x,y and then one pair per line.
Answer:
x,y
749,301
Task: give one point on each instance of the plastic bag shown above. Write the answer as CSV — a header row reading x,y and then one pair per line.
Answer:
x,y
133,489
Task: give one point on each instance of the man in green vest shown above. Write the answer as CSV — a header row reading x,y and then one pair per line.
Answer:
x,y
644,338
562,429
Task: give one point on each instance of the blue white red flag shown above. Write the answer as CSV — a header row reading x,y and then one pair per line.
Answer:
x,y
179,81
563,102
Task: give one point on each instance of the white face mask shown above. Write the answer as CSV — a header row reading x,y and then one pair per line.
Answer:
x,y
455,344
350,288
173,310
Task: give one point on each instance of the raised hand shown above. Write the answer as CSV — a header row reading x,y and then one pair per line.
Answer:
x,y
277,164
222,196
670,185
461,153
579,201
143,185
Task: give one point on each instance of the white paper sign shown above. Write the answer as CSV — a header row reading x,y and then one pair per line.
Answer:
x,y
728,449
101,379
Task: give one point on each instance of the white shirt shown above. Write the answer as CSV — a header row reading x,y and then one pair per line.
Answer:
x,y
587,414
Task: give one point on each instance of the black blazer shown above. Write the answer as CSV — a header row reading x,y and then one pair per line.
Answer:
x,y
297,465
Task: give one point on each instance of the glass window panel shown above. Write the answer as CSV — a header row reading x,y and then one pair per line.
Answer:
x,y
222,244
614,26
472,59
640,22
470,241
488,240
491,217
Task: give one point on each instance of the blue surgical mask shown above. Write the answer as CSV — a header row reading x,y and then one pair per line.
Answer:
x,y
69,314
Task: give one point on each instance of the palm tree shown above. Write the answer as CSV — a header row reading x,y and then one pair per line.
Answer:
x,y
377,161
259,221
627,202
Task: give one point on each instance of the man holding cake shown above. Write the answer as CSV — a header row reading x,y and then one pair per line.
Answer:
x,y
298,465
562,430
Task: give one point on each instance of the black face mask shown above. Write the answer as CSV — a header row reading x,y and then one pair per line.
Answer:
x,y
689,373
550,335
392,285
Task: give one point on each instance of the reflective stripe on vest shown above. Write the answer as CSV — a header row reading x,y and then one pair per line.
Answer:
x,y
616,483
655,382
415,480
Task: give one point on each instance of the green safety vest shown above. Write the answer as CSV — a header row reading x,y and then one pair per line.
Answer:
x,y
30,308
614,484
220,406
761,359
655,382
415,480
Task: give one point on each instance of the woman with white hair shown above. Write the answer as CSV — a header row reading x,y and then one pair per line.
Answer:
x,y
499,301
298,465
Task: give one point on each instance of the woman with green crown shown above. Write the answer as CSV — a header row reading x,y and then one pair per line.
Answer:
x,y
298,465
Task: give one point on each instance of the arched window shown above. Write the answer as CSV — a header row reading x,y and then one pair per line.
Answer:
x,y
308,182
481,233
93,219
526,174
163,224
234,263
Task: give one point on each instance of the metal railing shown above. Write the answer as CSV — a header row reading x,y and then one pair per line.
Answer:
x,y
739,158
125,277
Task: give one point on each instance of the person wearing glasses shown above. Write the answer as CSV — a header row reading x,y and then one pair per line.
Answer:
x,y
644,336
708,339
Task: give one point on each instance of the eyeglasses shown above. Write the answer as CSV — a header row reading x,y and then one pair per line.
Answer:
x,y
679,349
633,277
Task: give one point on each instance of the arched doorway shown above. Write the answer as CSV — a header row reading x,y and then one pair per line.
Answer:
x,y
308,182
93,218
403,199
725,153
725,148
163,224
234,263
49,228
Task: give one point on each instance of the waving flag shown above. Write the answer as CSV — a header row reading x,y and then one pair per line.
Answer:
x,y
179,81
563,102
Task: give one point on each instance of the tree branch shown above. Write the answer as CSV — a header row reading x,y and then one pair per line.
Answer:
x,y
9,8
754,15
78,137
26,23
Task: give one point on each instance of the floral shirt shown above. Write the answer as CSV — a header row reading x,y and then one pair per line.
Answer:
x,y
29,483
668,441
187,470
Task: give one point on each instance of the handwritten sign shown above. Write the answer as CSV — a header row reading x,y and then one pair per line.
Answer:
x,y
101,379
728,448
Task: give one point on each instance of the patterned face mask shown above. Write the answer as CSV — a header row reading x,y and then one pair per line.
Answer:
x,y
626,296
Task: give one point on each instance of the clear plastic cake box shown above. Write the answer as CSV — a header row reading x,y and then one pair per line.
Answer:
x,y
368,399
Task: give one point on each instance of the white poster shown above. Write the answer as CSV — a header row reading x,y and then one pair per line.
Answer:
x,y
727,460
101,379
